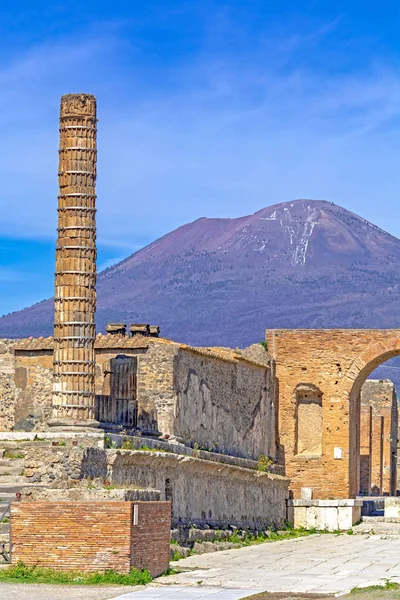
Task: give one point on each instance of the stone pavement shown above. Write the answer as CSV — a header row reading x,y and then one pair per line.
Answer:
x,y
316,564
184,593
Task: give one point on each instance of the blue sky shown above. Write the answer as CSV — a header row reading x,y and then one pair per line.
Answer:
x,y
206,108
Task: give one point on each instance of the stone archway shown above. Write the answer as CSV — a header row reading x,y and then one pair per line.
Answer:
x,y
336,362
371,357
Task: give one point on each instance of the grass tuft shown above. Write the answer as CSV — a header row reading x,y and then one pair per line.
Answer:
x,y
21,573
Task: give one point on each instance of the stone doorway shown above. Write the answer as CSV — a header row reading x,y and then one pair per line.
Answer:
x,y
118,402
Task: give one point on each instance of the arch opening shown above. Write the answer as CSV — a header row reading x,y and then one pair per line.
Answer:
x,y
373,427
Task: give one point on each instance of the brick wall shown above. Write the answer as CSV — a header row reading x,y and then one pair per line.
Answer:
x,y
365,449
151,537
92,536
379,419
337,362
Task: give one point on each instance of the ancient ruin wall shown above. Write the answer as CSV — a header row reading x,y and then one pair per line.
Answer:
x,y
51,534
230,495
380,396
224,406
7,385
75,281
215,400
335,363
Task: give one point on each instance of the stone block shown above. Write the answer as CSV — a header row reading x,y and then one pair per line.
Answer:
x,y
392,508
325,515
306,493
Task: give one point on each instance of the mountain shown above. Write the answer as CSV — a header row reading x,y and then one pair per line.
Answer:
x,y
304,263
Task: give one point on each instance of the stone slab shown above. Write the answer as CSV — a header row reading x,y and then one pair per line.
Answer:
x,y
327,503
392,508
22,436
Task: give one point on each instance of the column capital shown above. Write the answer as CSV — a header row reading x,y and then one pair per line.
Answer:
x,y
78,105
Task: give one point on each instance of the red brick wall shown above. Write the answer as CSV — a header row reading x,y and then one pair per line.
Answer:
x,y
337,362
365,450
377,455
91,536
151,537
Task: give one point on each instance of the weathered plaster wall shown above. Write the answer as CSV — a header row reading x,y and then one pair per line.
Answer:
x,y
229,494
337,362
33,388
7,386
217,398
224,406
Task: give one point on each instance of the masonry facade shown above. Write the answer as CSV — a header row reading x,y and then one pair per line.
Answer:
x,y
329,367
92,536
378,439
216,399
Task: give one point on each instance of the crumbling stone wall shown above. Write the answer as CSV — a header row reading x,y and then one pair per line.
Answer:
x,y
7,384
33,388
337,362
224,406
216,398
231,495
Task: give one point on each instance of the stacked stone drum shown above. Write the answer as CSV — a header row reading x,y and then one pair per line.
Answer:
x,y
75,277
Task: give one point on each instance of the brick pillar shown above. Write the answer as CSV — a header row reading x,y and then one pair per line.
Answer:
x,y
365,449
75,278
386,413
377,455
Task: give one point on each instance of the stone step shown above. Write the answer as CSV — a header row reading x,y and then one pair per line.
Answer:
x,y
12,462
7,497
23,444
11,480
373,519
4,528
10,469
377,528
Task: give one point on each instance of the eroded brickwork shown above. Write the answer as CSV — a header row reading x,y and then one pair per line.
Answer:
x,y
337,362
92,536
379,423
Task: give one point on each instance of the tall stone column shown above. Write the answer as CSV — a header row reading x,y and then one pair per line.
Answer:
x,y
75,277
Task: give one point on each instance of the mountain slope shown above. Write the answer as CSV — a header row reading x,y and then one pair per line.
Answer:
x,y
224,281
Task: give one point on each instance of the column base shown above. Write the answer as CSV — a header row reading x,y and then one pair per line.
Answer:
x,y
69,424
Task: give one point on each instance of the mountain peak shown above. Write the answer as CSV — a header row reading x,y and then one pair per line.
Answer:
x,y
303,263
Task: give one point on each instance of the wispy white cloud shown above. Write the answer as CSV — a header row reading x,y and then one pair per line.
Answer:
x,y
222,138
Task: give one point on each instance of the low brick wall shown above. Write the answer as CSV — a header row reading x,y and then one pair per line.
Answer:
x,y
92,536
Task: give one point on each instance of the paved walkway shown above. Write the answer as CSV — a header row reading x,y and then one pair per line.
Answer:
x,y
184,593
316,564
